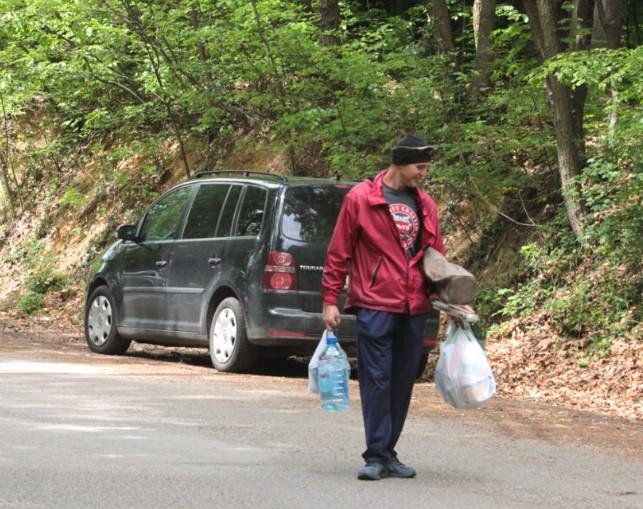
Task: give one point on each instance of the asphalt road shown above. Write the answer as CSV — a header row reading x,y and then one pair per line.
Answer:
x,y
93,433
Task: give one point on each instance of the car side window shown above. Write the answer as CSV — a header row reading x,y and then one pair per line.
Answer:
x,y
252,211
227,216
205,211
163,218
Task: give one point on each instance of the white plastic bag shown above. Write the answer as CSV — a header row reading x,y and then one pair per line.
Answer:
x,y
313,366
463,376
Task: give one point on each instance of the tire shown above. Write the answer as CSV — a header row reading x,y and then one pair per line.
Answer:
x,y
227,341
100,324
423,362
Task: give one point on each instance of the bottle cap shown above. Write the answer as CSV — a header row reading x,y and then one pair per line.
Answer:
x,y
331,339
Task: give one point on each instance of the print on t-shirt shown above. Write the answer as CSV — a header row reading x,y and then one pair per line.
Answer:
x,y
407,223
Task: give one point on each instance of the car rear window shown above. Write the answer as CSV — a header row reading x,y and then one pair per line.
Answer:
x,y
310,213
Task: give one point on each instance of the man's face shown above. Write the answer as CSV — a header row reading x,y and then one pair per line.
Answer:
x,y
411,174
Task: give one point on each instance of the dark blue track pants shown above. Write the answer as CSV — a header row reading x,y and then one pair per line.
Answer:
x,y
389,348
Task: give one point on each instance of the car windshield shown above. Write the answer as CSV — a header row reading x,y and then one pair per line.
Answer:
x,y
310,213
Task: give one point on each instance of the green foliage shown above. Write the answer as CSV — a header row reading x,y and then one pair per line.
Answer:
x,y
598,310
109,82
26,253
30,303
42,280
45,280
612,192
72,198
612,181
44,226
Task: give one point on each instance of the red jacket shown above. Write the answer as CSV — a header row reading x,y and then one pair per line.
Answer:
x,y
366,244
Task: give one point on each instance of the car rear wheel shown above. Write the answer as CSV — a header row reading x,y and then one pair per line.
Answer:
x,y
228,343
100,324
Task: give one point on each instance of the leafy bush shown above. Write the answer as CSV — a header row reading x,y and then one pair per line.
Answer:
x,y
46,280
26,253
599,309
30,303
73,198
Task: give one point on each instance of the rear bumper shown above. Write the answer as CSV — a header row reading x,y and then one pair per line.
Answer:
x,y
293,327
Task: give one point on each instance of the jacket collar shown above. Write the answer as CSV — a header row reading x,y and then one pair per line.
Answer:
x,y
376,193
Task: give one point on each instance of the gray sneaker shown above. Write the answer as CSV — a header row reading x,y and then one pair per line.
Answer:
x,y
372,471
395,468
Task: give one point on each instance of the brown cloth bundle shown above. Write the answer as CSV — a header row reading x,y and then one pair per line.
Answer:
x,y
454,284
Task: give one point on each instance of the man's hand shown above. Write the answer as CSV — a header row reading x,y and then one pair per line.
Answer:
x,y
459,313
466,308
331,316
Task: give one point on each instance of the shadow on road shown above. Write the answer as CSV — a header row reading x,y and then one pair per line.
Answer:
x,y
291,367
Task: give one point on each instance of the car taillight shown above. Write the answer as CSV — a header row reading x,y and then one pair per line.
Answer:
x,y
279,272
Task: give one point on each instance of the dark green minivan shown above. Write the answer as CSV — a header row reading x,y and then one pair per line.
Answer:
x,y
230,261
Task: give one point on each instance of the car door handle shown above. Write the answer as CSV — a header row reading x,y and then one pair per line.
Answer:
x,y
161,264
214,261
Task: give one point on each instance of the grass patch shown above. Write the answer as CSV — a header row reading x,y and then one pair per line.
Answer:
x,y
30,303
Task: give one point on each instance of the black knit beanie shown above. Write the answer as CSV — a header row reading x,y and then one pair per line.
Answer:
x,y
411,150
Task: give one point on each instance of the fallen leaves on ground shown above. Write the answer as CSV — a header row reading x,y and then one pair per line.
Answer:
x,y
536,363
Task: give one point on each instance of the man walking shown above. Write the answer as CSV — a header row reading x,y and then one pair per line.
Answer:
x,y
382,230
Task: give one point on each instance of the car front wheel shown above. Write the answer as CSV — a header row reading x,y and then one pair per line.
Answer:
x,y
100,324
228,343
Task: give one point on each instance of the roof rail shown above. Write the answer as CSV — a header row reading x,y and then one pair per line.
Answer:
x,y
243,173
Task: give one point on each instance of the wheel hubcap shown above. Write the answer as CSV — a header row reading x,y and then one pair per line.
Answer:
x,y
224,335
99,321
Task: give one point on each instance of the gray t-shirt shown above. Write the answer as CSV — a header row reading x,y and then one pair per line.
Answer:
x,y
404,211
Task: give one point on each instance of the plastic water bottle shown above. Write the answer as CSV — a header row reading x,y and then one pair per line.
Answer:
x,y
334,372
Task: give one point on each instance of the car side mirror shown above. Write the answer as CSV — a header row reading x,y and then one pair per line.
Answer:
x,y
127,232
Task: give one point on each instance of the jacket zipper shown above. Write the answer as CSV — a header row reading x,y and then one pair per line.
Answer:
x,y
374,276
406,283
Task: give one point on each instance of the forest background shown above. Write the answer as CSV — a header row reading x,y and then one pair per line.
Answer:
x,y
534,107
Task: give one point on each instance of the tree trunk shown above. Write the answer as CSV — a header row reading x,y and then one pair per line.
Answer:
x,y
5,158
581,28
203,53
599,37
5,184
534,23
611,16
567,108
633,35
281,94
152,49
580,39
442,25
329,12
484,15
567,125
398,6
569,161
